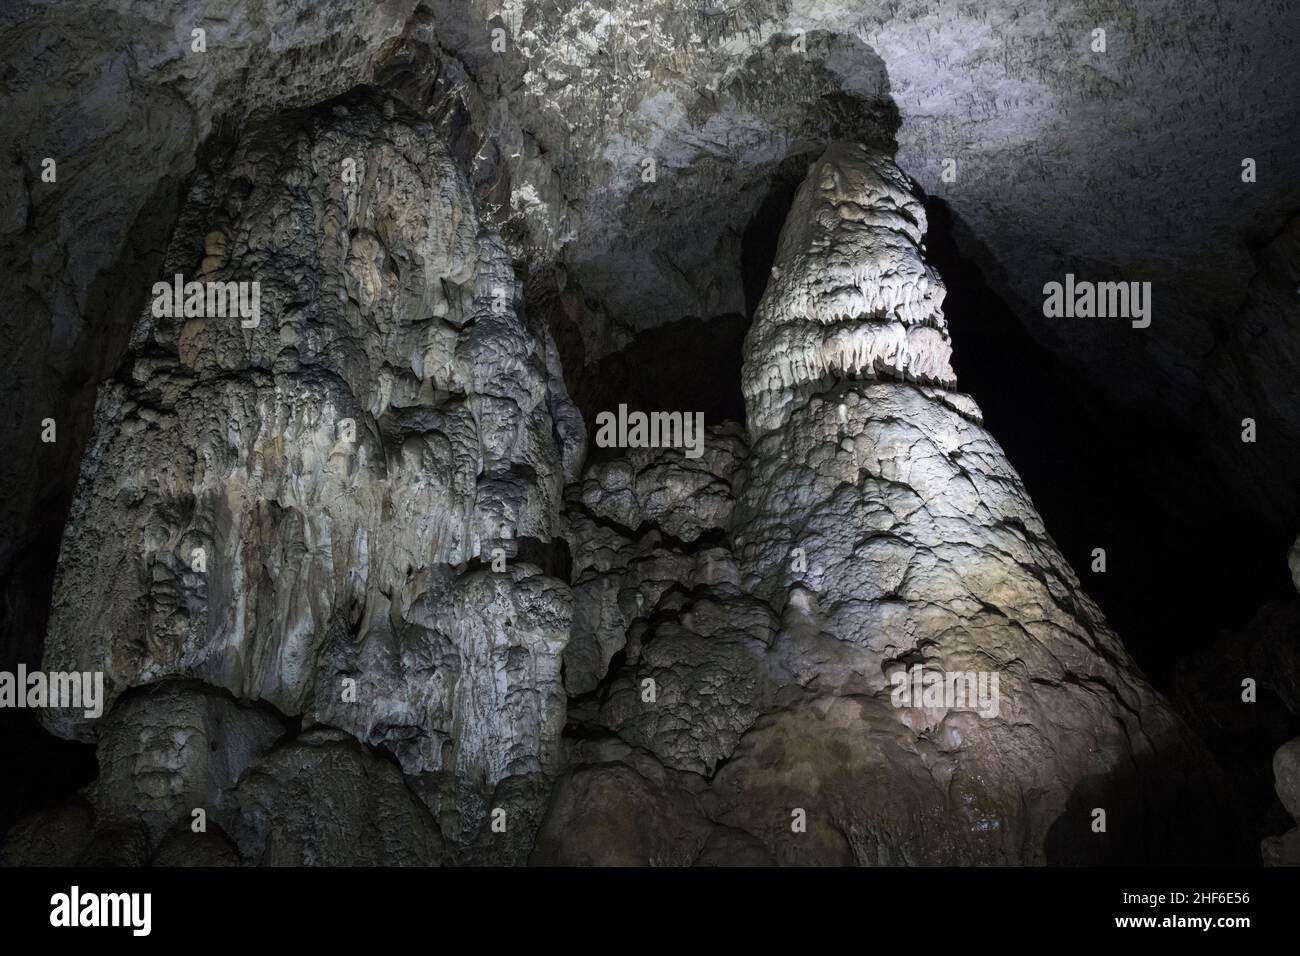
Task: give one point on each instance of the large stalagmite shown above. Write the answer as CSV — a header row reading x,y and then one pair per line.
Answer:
x,y
304,511
876,527
923,548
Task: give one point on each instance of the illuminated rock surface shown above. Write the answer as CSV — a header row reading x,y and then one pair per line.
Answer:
x,y
504,234
915,543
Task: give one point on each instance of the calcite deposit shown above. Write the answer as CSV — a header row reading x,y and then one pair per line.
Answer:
x,y
366,523
360,597
850,294
872,526
305,513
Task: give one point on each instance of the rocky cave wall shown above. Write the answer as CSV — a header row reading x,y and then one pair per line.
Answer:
x,y
540,142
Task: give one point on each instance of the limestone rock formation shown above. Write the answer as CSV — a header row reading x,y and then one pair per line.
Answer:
x,y
311,509
124,100
330,511
876,526
639,527
727,98
172,748
850,293
322,800
361,594
1286,770
307,517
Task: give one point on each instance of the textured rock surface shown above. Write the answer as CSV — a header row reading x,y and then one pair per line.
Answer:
x,y
850,295
876,525
639,527
53,837
171,749
1284,850
321,800
174,748
1013,93
734,621
342,469
395,304
196,849
1286,771
556,127
116,95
